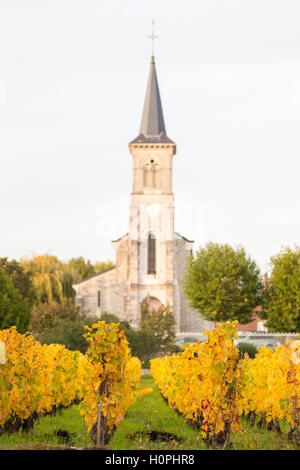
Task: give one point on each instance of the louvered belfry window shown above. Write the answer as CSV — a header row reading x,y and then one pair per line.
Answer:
x,y
155,175
151,254
147,175
151,175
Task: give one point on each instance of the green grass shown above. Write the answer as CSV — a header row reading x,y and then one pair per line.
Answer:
x,y
255,438
44,431
149,413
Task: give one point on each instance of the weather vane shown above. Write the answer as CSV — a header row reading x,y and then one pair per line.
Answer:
x,y
153,37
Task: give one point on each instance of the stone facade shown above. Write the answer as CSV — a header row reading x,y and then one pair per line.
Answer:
x,y
151,257
113,291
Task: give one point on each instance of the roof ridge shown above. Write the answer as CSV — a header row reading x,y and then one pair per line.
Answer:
x,y
93,275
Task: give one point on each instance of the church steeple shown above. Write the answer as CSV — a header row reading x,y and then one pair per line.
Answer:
x,y
152,120
152,125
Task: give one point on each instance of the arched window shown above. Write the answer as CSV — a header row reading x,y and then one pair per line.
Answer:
x,y
151,254
151,174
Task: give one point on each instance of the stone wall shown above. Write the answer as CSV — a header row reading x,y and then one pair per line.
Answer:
x,y
113,295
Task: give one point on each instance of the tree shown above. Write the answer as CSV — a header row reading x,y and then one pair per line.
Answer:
x,y
14,311
101,266
159,326
46,273
51,277
281,296
156,334
46,315
80,268
223,283
21,280
69,332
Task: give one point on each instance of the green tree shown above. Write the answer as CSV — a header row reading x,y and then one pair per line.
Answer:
x,y
101,266
80,268
14,311
281,296
158,326
69,333
21,280
46,315
223,283
248,348
156,334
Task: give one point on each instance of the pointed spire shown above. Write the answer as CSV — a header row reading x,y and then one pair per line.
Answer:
x,y
152,125
153,120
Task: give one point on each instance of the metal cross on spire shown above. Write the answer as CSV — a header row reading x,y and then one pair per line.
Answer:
x,y
153,37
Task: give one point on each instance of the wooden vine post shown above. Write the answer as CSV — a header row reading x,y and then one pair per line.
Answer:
x,y
101,427
98,441
2,352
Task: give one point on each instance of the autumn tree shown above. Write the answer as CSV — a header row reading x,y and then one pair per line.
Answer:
x,y
223,283
46,315
51,278
82,269
281,297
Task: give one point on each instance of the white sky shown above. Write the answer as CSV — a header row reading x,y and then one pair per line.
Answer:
x,y
73,77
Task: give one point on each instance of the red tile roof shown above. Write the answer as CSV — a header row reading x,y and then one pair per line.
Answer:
x,y
251,326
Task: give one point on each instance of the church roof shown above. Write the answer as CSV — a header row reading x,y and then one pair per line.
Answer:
x,y
152,128
93,275
184,238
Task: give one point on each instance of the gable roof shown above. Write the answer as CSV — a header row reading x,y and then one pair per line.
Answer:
x,y
184,238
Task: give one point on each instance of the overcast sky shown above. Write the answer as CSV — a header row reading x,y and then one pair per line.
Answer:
x,y
73,77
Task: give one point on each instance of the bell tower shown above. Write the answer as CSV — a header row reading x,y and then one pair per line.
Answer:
x,y
151,233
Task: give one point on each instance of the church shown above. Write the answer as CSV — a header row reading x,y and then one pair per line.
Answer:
x,y
150,258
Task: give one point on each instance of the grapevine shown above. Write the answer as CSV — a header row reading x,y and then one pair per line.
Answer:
x,y
38,379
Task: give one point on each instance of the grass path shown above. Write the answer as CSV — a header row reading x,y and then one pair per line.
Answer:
x,y
151,413
149,418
